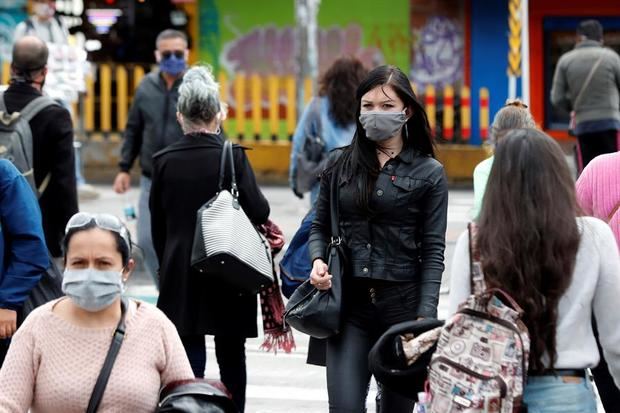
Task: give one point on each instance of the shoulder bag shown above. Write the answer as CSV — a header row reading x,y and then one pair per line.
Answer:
x,y
312,158
313,311
195,395
573,114
227,246
104,375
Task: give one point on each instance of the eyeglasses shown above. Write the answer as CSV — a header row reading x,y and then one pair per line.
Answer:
x,y
104,221
179,54
516,102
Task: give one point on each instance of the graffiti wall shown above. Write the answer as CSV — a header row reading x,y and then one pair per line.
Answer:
x,y
237,36
438,46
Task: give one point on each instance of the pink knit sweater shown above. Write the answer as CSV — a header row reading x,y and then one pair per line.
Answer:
x,y
598,190
52,365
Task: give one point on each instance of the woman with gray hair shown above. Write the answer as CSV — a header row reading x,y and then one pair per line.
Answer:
x,y
514,115
185,176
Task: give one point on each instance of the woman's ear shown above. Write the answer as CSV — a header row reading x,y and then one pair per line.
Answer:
x,y
131,264
408,112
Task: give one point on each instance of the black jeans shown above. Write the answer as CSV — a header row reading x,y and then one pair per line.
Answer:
x,y
4,348
230,354
371,307
610,395
594,144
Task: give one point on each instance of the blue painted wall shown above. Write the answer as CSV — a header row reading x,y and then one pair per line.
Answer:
x,y
489,57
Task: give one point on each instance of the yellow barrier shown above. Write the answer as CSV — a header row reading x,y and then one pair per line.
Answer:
x,y
274,106
307,90
239,85
430,106
89,105
122,97
105,97
138,74
6,73
484,113
448,113
291,107
465,113
257,106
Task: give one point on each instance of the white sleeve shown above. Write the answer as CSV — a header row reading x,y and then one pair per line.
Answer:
x,y
20,31
460,287
606,297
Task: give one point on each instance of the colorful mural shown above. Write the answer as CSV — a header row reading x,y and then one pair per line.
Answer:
x,y
438,47
237,36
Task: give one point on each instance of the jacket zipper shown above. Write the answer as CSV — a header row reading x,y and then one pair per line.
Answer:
x,y
454,364
506,324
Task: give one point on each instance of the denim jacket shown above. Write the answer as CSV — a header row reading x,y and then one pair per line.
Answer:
x,y
403,239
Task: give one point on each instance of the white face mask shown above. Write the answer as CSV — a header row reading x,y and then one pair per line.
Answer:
x,y
91,289
43,10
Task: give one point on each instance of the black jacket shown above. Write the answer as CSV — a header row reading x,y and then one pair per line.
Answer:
x,y
185,176
52,137
403,239
152,123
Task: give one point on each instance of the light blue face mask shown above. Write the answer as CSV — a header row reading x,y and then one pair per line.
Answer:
x,y
91,289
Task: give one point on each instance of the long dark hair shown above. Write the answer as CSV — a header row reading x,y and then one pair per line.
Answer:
x,y
338,84
528,236
360,159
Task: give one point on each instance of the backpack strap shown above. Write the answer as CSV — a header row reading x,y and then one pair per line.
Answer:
x,y
35,106
476,277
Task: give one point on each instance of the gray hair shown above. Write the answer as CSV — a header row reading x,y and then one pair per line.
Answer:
x,y
511,116
170,34
199,97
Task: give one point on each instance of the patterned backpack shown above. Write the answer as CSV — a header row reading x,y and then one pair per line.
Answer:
x,y
481,360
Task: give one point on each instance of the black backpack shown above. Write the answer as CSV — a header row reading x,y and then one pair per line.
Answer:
x,y
16,137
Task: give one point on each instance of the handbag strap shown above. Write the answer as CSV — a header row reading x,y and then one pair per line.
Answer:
x,y
613,212
104,375
227,154
334,206
587,82
476,275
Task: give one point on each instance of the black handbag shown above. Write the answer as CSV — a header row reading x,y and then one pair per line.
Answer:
x,y
312,311
193,396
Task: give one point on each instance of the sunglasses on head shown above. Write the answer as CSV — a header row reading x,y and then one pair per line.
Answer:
x,y
103,221
517,103
179,54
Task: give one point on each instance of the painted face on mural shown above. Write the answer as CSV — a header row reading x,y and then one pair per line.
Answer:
x,y
172,54
383,113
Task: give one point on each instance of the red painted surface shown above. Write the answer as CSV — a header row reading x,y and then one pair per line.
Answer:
x,y
538,11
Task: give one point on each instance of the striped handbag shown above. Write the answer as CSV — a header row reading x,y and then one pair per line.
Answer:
x,y
227,246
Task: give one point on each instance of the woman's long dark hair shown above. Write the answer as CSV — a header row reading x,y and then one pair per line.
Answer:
x,y
528,236
338,84
360,158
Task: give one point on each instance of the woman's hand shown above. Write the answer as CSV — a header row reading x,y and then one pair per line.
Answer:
x,y
319,277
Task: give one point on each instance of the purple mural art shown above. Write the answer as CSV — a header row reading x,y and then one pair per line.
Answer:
x,y
438,52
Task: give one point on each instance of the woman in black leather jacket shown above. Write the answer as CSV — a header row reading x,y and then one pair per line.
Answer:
x,y
392,212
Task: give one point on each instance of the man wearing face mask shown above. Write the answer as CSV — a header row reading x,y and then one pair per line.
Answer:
x,y
151,126
44,24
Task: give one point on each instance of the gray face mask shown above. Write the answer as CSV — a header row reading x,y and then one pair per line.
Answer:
x,y
380,126
91,289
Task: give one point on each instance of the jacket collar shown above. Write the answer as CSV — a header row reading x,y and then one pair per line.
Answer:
x,y
588,43
406,155
193,141
23,88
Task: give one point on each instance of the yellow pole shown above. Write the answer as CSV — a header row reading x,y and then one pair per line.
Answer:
x,y
138,74
105,97
274,106
484,113
223,81
257,106
6,73
239,86
307,90
448,112
89,104
465,113
430,106
291,107
121,97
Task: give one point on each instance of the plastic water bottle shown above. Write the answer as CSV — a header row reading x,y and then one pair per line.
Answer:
x,y
128,210
422,404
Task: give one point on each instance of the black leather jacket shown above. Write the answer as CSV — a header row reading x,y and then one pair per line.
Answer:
x,y
403,239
